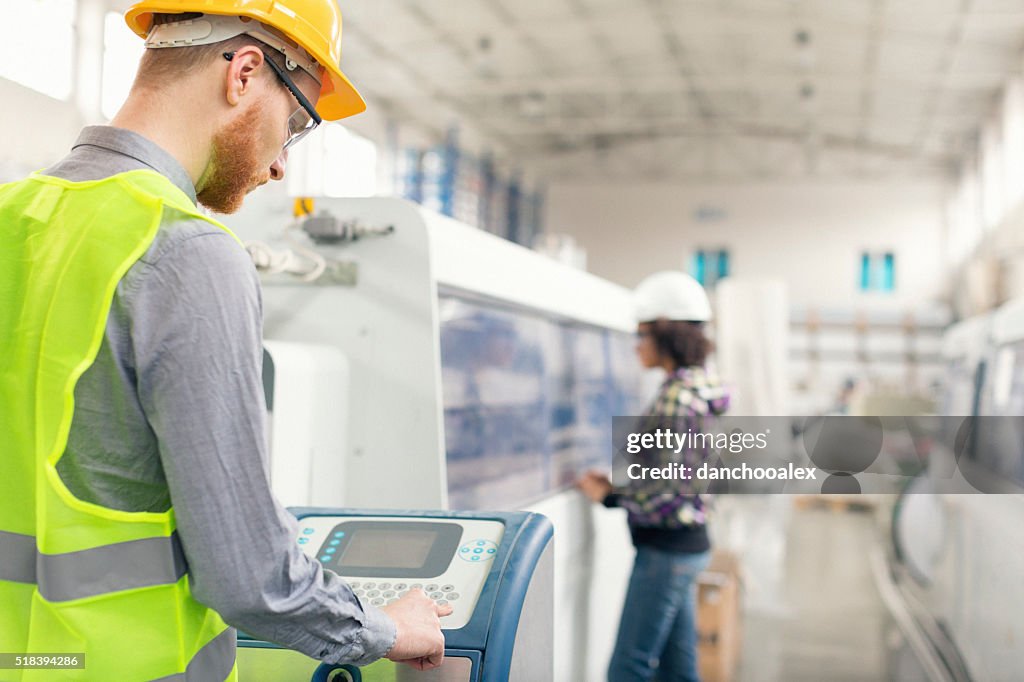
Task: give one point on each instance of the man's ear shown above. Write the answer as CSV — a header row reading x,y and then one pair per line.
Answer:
x,y
242,72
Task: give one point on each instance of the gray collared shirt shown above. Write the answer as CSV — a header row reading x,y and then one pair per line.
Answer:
x,y
173,410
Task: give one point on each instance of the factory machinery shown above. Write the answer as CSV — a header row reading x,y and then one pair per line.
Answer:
x,y
960,557
414,362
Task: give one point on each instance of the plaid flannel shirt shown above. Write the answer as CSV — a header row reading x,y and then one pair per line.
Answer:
x,y
688,399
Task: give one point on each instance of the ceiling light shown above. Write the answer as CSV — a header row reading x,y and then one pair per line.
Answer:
x,y
805,56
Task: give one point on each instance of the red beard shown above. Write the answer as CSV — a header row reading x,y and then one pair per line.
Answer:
x,y
235,167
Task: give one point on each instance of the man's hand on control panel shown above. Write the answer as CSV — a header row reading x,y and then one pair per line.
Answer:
x,y
419,641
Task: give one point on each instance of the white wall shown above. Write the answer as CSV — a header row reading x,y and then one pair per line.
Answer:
x,y
38,129
994,271
810,234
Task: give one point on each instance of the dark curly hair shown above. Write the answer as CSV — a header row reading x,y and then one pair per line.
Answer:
x,y
682,342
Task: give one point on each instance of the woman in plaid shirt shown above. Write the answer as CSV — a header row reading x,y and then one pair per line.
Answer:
x,y
657,633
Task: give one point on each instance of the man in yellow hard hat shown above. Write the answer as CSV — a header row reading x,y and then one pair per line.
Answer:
x,y
136,518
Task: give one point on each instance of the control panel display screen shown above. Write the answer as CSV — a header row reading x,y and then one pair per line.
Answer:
x,y
388,548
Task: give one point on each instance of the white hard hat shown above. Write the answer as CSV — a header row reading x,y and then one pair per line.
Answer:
x,y
671,295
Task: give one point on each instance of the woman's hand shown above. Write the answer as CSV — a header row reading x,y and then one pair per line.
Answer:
x,y
595,485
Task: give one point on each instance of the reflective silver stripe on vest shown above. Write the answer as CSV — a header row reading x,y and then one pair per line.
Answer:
x,y
212,663
91,572
17,557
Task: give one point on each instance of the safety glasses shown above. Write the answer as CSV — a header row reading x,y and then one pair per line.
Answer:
x,y
305,119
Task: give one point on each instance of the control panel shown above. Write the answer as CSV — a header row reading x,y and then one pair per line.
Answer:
x,y
382,558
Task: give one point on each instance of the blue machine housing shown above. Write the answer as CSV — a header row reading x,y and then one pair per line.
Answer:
x,y
488,639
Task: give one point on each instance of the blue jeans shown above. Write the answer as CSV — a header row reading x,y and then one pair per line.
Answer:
x,y
658,631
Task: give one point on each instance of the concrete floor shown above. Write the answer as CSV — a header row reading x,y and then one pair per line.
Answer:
x,y
812,610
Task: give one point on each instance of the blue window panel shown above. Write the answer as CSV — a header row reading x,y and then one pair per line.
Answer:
x,y
450,169
865,271
412,179
707,267
697,267
528,400
489,184
888,272
582,406
723,264
513,213
878,271
496,403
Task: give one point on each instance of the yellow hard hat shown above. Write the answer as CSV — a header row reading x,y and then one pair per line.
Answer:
x,y
315,25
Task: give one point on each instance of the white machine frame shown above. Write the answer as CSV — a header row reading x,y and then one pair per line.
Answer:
x,y
388,327
978,571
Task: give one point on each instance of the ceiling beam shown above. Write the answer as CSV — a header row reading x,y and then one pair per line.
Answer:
x,y
429,87
954,42
870,80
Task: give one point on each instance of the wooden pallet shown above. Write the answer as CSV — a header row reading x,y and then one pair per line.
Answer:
x,y
835,503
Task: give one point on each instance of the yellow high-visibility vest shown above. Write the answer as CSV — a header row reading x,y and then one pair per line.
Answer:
x,y
76,577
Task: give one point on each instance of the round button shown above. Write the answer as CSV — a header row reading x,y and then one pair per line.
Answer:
x,y
373,593
335,543
303,541
354,586
431,588
436,595
387,594
325,559
378,602
472,550
401,586
447,588
358,593
339,534
331,550
384,586
308,531
442,602
451,596
416,586
369,586
403,593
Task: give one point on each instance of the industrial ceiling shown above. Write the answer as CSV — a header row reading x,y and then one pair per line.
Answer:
x,y
700,89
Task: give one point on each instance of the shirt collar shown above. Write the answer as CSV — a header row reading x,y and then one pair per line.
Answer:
x,y
143,150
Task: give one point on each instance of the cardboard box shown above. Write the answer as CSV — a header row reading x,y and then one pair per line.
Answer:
x,y
719,618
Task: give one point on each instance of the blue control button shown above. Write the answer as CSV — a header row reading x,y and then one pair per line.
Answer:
x,y
339,534
308,531
335,543
331,550
303,541
325,559
478,550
